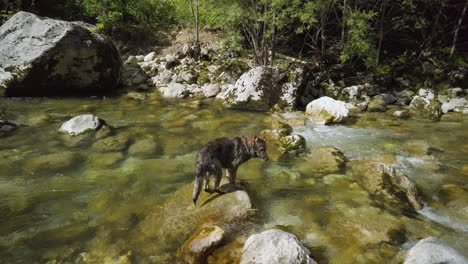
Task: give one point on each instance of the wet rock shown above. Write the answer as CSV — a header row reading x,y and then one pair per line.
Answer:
x,y
6,127
322,161
275,246
196,249
178,217
52,162
388,182
456,105
82,124
326,110
41,55
144,147
174,90
256,89
422,107
112,143
228,254
293,144
377,105
433,251
104,160
403,98
388,98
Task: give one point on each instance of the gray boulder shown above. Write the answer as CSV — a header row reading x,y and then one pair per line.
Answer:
x,y
174,90
422,107
433,251
211,90
47,56
275,246
388,98
403,98
326,110
455,104
82,124
257,89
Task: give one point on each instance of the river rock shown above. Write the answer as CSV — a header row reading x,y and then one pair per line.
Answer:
x,y
256,89
275,246
211,90
455,104
6,127
426,93
352,92
433,251
422,107
174,90
177,217
388,98
104,160
48,56
51,162
377,104
150,57
163,77
401,114
326,110
201,244
111,144
188,77
322,161
144,147
82,124
292,144
388,182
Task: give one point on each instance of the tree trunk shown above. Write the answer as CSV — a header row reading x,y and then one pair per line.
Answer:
x,y
322,34
343,24
197,22
436,25
455,35
381,26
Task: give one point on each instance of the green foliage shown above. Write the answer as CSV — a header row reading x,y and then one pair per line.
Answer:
x,y
361,40
232,45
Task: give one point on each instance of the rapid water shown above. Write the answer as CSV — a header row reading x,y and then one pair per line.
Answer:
x,y
82,204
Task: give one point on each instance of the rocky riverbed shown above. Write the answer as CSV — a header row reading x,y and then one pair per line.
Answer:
x,y
116,193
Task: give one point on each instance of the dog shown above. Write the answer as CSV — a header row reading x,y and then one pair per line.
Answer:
x,y
228,153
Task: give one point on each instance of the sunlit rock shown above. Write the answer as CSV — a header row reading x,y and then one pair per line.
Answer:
x,y
82,124
275,246
321,161
197,248
326,110
433,251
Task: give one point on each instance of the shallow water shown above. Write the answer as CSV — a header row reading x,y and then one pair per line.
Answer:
x,y
86,200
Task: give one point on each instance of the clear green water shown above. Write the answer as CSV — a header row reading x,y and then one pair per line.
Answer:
x,y
91,201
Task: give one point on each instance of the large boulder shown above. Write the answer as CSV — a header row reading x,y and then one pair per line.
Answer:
x,y
275,246
177,218
433,251
257,89
326,110
456,105
47,56
82,124
423,107
388,182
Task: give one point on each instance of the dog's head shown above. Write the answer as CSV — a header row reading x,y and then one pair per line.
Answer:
x,y
259,147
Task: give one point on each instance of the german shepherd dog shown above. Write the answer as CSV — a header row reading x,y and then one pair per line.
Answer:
x,y
228,153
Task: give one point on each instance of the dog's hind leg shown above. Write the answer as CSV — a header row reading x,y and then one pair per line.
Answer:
x,y
218,176
231,173
207,184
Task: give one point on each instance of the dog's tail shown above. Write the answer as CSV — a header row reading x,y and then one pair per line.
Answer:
x,y
198,185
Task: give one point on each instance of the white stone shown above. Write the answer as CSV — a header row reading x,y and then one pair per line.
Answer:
x,y
81,123
211,90
455,104
174,90
428,94
326,110
150,57
433,251
275,246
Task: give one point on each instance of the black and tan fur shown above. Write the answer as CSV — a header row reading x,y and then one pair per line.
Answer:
x,y
228,153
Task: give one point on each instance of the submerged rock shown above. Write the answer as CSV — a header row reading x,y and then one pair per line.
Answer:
x,y
48,56
275,246
201,244
257,89
384,180
178,217
144,147
6,127
111,144
326,110
52,162
82,124
322,161
433,251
